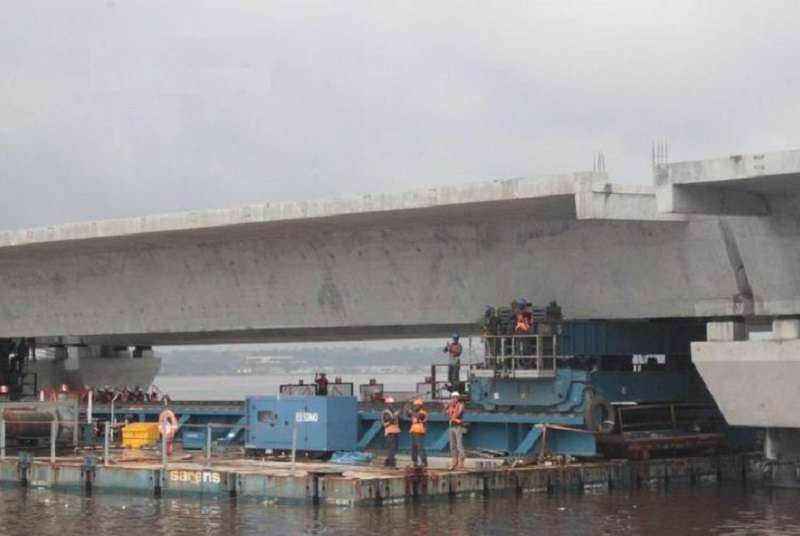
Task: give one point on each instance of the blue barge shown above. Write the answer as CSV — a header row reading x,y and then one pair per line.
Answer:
x,y
562,390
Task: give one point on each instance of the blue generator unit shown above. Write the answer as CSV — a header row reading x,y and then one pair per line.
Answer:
x,y
321,423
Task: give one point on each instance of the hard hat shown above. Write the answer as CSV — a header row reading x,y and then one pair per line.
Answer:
x,y
455,335
454,394
487,309
522,301
418,402
389,400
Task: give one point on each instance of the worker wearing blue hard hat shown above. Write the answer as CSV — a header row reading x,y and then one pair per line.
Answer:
x,y
453,350
523,326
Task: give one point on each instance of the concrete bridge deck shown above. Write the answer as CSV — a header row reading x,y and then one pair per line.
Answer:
x,y
708,239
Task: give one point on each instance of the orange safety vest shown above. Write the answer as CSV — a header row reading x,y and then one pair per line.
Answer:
x,y
391,422
454,349
418,421
455,412
523,326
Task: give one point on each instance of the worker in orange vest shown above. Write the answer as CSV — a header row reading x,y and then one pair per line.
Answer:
x,y
419,427
455,415
391,431
524,322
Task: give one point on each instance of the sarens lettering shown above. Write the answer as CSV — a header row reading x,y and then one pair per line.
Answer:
x,y
195,477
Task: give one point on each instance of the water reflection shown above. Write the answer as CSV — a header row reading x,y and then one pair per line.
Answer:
x,y
725,510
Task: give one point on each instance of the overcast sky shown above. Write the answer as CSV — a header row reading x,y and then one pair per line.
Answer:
x,y
120,108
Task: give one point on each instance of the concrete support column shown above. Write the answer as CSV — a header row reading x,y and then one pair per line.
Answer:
x,y
786,328
726,330
782,451
753,383
143,351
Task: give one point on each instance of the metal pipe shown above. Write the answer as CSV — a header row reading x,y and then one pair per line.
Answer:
x,y
89,407
76,425
53,434
107,435
2,437
208,445
164,454
113,417
294,444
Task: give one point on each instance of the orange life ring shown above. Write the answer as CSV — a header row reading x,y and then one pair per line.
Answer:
x,y
168,423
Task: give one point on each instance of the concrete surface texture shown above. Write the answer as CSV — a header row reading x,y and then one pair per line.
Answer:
x,y
753,381
414,264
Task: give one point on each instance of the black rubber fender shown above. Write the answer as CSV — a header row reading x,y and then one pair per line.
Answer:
x,y
599,416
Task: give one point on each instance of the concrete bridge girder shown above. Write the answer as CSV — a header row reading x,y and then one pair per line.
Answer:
x,y
407,265
391,279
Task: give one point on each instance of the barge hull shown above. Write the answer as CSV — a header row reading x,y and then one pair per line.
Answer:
x,y
362,486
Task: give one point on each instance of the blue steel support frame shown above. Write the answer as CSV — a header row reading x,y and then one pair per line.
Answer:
x,y
443,441
526,444
370,434
237,429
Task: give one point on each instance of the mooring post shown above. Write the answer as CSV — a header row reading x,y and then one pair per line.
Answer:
x,y
53,433
208,445
107,435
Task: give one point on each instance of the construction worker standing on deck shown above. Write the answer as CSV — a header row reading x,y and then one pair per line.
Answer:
x,y
453,349
391,431
455,414
419,427
522,326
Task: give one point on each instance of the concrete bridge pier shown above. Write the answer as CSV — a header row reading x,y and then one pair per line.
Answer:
x,y
754,382
782,451
95,365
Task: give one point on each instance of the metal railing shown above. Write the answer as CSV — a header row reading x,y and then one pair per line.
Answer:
x,y
438,386
520,355
162,445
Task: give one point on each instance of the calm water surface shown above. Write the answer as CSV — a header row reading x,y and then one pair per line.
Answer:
x,y
730,509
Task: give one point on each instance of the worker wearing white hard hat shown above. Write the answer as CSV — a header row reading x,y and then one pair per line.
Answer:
x,y
391,431
455,415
